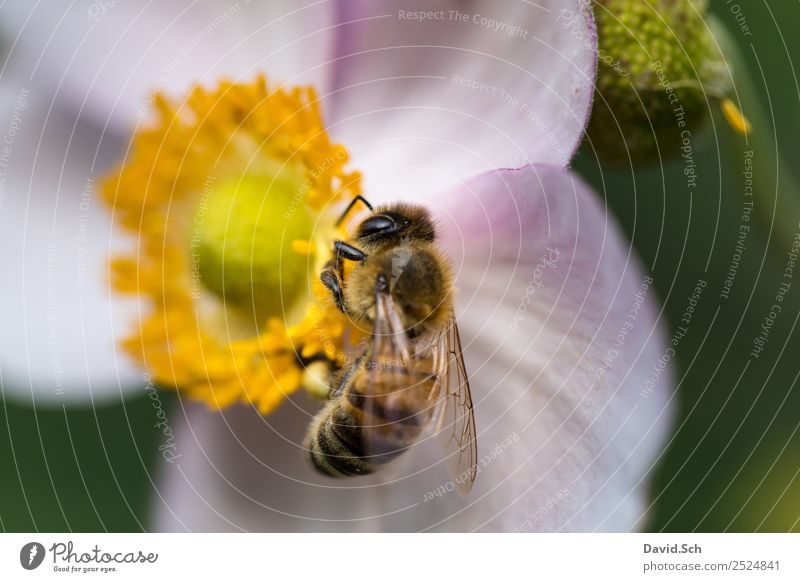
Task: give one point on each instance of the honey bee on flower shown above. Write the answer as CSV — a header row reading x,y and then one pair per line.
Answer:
x,y
220,199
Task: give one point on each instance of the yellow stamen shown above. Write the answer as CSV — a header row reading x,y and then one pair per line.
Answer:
x,y
735,117
255,157
304,248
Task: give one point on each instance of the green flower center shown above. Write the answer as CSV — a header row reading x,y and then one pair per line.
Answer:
x,y
242,243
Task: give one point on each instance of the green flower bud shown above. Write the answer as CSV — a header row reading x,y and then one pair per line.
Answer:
x,y
658,65
242,247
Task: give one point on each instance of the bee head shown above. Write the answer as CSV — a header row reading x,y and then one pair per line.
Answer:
x,y
418,280
390,224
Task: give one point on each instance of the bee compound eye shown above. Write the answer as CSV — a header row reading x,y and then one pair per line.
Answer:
x,y
376,225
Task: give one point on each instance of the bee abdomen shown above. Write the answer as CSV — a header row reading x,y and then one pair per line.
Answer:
x,y
335,444
392,427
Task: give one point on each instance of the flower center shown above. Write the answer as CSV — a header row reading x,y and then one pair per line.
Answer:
x,y
242,243
222,193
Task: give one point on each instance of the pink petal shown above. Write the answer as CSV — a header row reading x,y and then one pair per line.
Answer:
x,y
477,85
105,57
568,429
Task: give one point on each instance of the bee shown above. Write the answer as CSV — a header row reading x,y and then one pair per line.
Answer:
x,y
410,378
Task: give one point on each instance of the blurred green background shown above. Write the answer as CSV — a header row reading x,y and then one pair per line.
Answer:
x,y
734,462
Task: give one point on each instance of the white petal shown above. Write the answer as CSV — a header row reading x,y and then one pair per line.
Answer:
x,y
477,85
99,62
106,56
568,430
58,321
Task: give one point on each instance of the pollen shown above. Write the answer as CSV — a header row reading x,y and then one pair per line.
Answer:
x,y
223,194
735,117
303,247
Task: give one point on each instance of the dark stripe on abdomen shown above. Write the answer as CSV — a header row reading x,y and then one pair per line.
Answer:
x,y
332,456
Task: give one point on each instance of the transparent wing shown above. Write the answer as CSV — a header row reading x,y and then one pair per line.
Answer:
x,y
456,418
393,418
389,340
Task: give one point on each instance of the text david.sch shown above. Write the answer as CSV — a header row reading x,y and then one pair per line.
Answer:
x,y
673,549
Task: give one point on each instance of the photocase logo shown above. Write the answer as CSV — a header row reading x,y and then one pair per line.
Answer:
x,y
400,258
31,555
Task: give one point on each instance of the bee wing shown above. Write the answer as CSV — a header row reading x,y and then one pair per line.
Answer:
x,y
456,417
389,339
389,416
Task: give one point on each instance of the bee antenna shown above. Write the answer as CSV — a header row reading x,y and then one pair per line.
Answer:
x,y
350,207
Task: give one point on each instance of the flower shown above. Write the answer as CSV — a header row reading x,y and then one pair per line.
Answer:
x,y
660,70
435,103
250,164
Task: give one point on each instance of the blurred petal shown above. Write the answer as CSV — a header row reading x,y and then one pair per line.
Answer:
x,y
106,56
57,342
430,93
100,62
560,332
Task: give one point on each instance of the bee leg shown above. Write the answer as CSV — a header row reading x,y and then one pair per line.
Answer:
x,y
331,280
333,273
347,376
343,250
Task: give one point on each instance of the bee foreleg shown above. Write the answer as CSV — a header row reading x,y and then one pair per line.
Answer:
x,y
343,250
330,279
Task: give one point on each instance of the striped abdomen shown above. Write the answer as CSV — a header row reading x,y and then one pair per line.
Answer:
x,y
379,412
